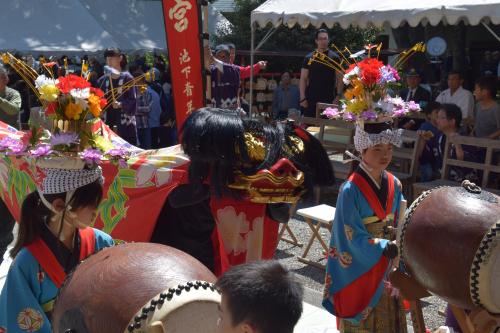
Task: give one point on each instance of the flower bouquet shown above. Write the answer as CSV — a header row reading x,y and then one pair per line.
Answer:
x,y
369,83
72,107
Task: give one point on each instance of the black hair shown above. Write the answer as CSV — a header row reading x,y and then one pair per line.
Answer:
x,y
264,294
319,31
112,52
431,107
214,140
453,112
34,213
488,83
456,72
375,128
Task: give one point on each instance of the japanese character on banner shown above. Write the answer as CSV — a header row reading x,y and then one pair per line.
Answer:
x,y
186,71
178,13
188,89
189,107
184,57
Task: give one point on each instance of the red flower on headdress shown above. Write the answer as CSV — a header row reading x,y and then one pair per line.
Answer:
x,y
70,82
51,108
370,70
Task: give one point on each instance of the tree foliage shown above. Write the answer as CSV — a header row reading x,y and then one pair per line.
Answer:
x,y
285,39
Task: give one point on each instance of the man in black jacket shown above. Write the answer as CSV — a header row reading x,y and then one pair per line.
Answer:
x,y
414,92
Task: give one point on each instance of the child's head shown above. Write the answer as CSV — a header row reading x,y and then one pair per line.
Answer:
x,y
259,297
485,88
377,156
431,111
80,211
449,118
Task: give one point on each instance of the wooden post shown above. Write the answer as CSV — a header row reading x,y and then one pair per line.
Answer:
x,y
206,61
417,318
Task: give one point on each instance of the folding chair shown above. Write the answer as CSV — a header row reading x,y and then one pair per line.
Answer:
x,y
316,217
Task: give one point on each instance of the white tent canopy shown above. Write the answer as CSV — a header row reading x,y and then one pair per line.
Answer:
x,y
364,12
81,25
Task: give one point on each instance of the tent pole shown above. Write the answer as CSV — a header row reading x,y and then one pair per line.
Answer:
x,y
490,30
252,29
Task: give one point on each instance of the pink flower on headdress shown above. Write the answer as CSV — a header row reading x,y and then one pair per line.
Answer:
x,y
12,146
399,111
66,139
331,113
349,116
413,107
91,156
369,115
41,150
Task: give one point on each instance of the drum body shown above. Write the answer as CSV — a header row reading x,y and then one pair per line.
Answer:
x,y
450,243
130,287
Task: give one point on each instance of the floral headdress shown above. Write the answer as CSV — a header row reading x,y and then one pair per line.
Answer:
x,y
369,83
367,97
68,153
72,108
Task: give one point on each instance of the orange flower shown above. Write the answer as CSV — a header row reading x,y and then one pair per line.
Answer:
x,y
73,111
95,105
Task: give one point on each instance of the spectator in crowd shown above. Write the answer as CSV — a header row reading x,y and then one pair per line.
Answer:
x,y
259,297
319,83
144,106
429,167
415,92
487,110
246,70
121,114
245,73
95,71
418,94
286,96
158,106
488,64
10,100
225,79
167,85
448,122
459,96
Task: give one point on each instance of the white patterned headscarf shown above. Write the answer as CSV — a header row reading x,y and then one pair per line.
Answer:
x,y
364,140
65,180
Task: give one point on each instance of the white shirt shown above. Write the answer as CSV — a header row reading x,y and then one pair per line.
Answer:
x,y
411,92
462,98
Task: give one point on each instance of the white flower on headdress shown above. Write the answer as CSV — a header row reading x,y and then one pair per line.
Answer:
x,y
42,80
81,96
350,74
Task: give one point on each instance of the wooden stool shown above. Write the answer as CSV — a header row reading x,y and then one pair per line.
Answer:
x,y
316,217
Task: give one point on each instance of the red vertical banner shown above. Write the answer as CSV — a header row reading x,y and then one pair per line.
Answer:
x,y
182,24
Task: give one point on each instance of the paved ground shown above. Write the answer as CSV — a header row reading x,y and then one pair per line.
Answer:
x,y
313,278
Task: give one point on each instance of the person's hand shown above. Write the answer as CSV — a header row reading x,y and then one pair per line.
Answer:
x,y
262,64
426,135
116,105
304,103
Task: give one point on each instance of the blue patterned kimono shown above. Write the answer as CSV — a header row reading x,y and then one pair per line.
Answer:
x,y
27,297
356,267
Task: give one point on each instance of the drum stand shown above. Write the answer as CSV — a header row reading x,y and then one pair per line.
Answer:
x,y
475,321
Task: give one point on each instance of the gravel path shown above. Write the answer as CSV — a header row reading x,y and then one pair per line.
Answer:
x,y
313,278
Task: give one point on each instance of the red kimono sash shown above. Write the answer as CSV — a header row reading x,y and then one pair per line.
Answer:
x,y
48,261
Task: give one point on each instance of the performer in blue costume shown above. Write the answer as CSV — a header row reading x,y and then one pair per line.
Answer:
x,y
54,236
362,250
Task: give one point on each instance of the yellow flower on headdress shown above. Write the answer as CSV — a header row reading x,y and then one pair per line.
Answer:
x,y
356,106
72,111
5,58
48,92
95,105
